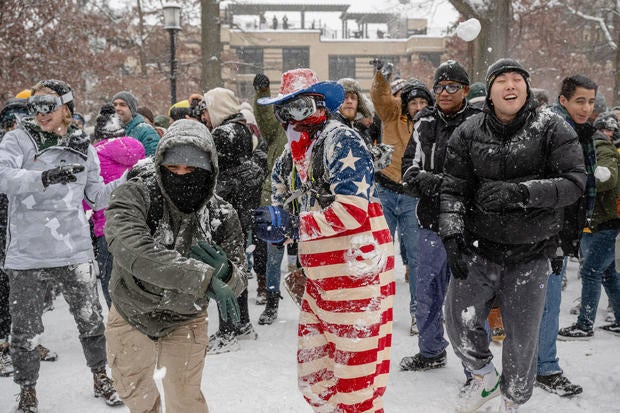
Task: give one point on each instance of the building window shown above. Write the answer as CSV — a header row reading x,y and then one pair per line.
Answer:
x,y
251,58
245,91
434,58
341,66
295,57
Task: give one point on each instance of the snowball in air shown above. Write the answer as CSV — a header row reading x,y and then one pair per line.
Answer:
x,y
469,29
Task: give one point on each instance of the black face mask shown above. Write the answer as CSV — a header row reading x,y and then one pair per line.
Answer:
x,y
189,191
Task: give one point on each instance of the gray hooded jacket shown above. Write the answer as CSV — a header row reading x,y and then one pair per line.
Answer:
x,y
47,227
155,286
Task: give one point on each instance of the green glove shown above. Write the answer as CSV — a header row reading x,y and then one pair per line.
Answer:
x,y
226,300
215,257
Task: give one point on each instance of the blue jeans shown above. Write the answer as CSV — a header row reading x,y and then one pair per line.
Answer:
x,y
432,284
547,361
275,254
598,267
399,212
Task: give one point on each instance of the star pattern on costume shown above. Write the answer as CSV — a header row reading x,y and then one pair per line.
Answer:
x,y
362,187
349,161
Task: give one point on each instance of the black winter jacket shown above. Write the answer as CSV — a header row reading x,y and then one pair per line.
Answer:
x,y
243,168
538,150
427,148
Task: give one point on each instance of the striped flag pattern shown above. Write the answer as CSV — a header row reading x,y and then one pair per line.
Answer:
x,y
345,324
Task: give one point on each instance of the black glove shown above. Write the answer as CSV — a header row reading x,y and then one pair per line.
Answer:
x,y
376,63
387,70
427,183
61,175
556,264
215,257
500,195
457,253
410,174
261,82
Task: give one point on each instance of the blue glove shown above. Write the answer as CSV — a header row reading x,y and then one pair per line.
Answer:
x,y
275,225
215,257
225,298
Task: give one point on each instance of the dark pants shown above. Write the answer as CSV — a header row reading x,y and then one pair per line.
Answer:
x,y
5,315
104,261
78,284
521,290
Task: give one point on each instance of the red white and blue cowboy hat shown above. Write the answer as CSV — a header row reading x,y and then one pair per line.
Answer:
x,y
304,81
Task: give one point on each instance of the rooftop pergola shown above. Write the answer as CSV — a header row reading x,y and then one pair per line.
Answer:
x,y
362,19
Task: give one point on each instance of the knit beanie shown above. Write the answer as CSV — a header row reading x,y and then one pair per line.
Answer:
x,y
130,99
415,89
108,124
477,92
61,89
502,66
162,121
397,85
451,70
187,154
600,103
606,120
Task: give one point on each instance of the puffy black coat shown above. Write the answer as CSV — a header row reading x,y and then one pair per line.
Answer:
x,y
539,150
427,149
243,168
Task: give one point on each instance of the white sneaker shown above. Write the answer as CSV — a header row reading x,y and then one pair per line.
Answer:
x,y
479,391
222,343
609,314
508,406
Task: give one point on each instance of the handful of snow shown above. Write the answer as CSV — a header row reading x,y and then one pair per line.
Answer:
x,y
469,29
602,173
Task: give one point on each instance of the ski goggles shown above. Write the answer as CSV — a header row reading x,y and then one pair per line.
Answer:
x,y
45,104
298,109
451,88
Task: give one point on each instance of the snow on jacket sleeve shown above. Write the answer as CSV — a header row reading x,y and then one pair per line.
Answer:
x,y
350,171
279,180
565,163
14,148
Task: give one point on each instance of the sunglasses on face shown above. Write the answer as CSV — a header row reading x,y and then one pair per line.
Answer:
x,y
296,109
45,104
451,88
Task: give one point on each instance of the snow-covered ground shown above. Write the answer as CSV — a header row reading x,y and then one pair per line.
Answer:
x,y
261,377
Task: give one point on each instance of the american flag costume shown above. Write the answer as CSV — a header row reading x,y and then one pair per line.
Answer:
x,y
346,250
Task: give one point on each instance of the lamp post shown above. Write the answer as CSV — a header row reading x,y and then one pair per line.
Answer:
x,y
172,23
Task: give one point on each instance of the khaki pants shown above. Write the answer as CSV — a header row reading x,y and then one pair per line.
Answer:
x,y
174,363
